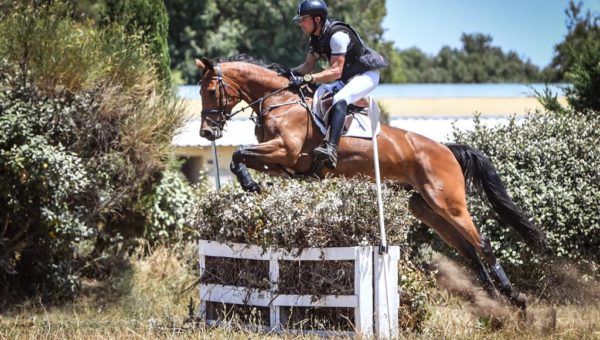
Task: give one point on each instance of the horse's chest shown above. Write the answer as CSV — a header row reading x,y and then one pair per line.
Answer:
x,y
266,131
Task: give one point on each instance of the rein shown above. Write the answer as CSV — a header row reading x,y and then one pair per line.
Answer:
x,y
223,97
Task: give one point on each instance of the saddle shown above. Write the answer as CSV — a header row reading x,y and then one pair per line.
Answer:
x,y
324,103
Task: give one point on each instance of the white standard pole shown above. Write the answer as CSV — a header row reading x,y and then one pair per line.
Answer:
x,y
374,115
379,198
216,165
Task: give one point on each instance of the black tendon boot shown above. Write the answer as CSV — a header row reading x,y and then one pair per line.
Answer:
x,y
326,153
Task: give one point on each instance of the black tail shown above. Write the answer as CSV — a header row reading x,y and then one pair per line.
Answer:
x,y
479,169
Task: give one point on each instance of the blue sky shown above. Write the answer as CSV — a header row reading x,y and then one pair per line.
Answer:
x,y
529,27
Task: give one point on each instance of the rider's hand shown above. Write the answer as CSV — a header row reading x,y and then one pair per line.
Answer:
x,y
297,81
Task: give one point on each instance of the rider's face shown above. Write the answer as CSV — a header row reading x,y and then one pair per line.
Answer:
x,y
306,24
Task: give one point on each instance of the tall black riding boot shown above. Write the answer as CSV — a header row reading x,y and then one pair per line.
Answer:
x,y
326,153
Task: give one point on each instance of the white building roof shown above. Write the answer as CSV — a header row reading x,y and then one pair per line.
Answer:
x,y
241,131
237,132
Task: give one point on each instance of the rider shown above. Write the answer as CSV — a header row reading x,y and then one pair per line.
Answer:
x,y
353,69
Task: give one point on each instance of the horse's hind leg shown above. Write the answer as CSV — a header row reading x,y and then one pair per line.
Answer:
x,y
451,206
452,237
506,287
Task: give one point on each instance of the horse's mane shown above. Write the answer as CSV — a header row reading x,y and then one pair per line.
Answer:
x,y
251,60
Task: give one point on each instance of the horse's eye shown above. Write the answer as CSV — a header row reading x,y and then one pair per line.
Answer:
x,y
212,92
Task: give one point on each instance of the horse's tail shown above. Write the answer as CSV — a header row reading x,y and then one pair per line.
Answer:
x,y
479,169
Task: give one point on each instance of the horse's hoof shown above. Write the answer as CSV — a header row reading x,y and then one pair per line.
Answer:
x,y
252,187
519,300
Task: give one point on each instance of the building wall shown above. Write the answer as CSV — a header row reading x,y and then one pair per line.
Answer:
x,y
199,162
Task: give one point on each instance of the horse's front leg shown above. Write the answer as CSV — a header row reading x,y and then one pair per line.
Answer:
x,y
259,157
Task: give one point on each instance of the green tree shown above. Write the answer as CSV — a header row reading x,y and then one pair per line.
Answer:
x,y
585,77
149,16
478,61
583,28
263,29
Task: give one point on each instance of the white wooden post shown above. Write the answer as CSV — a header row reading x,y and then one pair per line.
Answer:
x,y
363,289
216,165
202,267
275,310
387,299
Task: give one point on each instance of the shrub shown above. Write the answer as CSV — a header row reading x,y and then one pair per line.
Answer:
x,y
87,107
170,208
43,222
327,213
550,164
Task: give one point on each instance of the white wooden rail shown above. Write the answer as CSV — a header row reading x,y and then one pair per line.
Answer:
x,y
375,299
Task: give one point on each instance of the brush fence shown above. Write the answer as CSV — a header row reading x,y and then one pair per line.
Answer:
x,y
375,299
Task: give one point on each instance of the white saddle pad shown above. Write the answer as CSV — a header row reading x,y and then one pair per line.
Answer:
x,y
361,125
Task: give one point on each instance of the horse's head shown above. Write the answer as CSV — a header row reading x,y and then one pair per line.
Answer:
x,y
219,96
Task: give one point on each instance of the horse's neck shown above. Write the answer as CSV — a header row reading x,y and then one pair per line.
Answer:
x,y
257,82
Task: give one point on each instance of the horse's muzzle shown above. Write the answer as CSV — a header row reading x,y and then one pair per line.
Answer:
x,y
211,133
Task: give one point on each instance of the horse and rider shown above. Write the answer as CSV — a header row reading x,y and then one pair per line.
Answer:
x,y
290,142
353,69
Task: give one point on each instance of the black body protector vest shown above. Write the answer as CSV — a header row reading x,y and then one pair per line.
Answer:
x,y
359,57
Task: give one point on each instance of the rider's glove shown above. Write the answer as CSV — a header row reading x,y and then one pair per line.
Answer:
x,y
297,81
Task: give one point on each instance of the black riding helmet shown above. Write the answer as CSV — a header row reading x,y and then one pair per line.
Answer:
x,y
311,7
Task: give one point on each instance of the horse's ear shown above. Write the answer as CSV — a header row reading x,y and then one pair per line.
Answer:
x,y
204,64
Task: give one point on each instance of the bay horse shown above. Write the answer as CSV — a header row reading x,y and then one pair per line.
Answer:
x,y
287,136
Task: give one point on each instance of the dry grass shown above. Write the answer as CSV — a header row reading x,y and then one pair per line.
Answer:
x,y
462,310
146,301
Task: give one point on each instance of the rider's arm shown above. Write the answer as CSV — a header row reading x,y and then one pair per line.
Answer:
x,y
339,46
333,72
308,66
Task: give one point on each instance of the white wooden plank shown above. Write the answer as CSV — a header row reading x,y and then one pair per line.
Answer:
x,y
363,288
234,250
235,295
251,252
387,299
343,301
263,298
321,254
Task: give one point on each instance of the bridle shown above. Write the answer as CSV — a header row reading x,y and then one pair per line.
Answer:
x,y
223,101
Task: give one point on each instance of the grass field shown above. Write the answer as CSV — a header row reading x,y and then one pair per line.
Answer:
x,y
147,299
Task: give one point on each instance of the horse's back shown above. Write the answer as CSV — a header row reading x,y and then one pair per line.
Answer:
x,y
416,158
